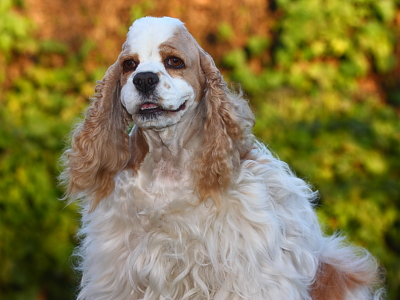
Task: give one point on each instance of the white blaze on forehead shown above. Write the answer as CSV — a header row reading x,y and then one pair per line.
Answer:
x,y
147,34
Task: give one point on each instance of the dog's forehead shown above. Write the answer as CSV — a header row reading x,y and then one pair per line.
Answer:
x,y
147,34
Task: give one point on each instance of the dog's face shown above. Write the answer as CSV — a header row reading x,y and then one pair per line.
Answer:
x,y
161,77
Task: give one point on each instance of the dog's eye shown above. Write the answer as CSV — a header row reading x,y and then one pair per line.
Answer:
x,y
174,62
129,65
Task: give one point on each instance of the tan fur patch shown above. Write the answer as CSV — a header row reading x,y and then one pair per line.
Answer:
x,y
333,283
138,149
123,57
184,46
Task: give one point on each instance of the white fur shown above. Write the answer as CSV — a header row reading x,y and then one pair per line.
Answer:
x,y
148,244
151,239
152,244
179,92
146,34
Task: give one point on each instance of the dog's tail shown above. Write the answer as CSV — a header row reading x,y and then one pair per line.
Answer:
x,y
346,273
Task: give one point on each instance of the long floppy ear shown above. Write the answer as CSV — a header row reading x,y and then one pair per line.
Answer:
x,y
100,145
227,134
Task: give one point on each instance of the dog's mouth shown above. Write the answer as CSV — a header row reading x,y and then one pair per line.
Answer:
x,y
150,109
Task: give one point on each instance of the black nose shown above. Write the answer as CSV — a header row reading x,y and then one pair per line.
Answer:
x,y
145,81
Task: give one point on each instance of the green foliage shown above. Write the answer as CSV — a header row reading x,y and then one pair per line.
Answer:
x,y
139,10
37,232
320,44
225,32
310,110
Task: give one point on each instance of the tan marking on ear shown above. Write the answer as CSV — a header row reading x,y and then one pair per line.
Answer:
x,y
227,134
99,147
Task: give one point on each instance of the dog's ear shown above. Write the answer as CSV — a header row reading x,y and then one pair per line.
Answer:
x,y
100,144
227,134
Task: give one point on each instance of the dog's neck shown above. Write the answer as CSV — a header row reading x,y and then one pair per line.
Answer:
x,y
169,143
172,149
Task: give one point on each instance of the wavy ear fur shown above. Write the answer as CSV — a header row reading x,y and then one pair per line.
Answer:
x,y
227,134
100,145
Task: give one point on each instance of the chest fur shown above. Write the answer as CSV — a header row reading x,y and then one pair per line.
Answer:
x,y
167,245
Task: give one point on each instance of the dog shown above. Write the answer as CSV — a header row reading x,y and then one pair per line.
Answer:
x,y
188,204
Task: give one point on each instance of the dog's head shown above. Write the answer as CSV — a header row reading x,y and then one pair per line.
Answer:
x,y
161,75
161,78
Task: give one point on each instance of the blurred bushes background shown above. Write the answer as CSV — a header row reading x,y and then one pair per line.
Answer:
x,y
322,76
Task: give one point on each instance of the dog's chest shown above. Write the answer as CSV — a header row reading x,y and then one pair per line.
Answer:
x,y
154,186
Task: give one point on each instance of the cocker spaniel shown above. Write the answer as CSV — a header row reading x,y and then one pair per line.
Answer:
x,y
189,205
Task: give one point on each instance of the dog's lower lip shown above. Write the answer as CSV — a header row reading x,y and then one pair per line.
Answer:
x,y
150,108
183,106
147,106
